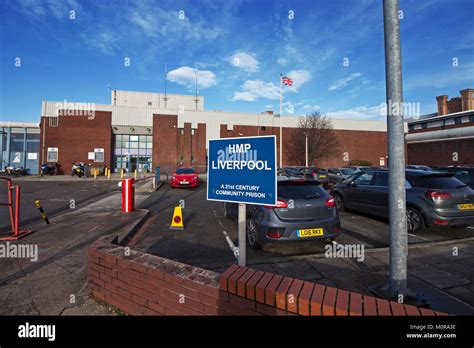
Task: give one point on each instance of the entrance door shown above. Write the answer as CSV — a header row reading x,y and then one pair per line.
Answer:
x,y
133,163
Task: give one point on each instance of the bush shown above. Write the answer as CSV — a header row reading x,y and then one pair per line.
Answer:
x,y
360,163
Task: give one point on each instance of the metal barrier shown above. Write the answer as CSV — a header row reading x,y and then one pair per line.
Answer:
x,y
14,210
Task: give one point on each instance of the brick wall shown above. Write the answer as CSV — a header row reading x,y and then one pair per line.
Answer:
x,y
143,284
76,136
440,153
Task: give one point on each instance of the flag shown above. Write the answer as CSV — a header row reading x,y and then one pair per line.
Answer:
x,y
286,80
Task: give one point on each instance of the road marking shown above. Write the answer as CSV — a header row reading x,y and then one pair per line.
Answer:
x,y
471,227
234,249
413,235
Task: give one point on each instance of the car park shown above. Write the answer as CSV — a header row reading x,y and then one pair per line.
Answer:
x,y
338,174
315,173
184,177
432,198
304,212
358,169
420,167
463,173
290,172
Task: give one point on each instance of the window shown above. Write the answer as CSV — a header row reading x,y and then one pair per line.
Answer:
x,y
381,179
364,179
471,118
457,120
52,154
53,121
98,155
263,128
424,125
149,103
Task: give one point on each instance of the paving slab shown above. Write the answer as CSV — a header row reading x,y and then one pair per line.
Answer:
x,y
438,278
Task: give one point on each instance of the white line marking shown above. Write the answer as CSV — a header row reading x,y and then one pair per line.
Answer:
x,y
471,227
234,249
413,235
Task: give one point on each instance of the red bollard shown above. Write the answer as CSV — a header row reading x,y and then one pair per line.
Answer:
x,y
128,195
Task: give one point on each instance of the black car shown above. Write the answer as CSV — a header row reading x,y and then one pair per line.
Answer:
x,y
432,198
316,173
304,212
464,173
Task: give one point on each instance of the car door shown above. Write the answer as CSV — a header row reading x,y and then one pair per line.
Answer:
x,y
359,192
377,194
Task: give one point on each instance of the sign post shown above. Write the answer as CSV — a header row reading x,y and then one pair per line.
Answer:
x,y
242,171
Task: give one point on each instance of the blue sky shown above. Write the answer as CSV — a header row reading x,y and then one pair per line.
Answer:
x,y
239,48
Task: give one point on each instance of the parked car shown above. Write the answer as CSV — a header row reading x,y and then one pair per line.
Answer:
x,y
338,174
432,198
463,173
290,173
184,177
420,167
358,169
315,173
304,212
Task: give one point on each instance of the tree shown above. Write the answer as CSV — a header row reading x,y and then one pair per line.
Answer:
x,y
322,140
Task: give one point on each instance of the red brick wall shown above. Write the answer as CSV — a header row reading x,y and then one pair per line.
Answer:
x,y
143,284
440,153
75,136
360,145
169,144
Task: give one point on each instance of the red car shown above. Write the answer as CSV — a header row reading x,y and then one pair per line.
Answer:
x,y
184,177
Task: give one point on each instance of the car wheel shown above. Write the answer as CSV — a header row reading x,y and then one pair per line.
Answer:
x,y
339,202
252,234
415,221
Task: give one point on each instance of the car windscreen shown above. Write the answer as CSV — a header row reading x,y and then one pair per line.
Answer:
x,y
347,171
300,190
437,181
466,175
185,171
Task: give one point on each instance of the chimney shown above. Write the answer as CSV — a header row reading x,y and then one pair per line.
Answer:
x,y
442,104
467,99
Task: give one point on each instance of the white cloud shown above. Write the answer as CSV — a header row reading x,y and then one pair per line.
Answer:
x,y
343,82
282,61
38,9
269,106
244,61
103,40
359,112
300,77
186,76
255,89
158,23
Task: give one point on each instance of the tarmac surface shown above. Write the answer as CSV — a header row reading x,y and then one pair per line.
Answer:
x,y
440,261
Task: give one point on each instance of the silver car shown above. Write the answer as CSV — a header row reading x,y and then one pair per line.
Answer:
x,y
304,212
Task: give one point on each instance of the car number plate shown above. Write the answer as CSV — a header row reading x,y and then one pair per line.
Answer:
x,y
322,176
184,182
311,232
466,206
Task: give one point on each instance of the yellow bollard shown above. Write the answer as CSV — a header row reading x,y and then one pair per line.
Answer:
x,y
95,173
121,173
136,174
108,173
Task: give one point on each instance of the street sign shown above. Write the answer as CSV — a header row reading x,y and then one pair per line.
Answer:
x,y
242,170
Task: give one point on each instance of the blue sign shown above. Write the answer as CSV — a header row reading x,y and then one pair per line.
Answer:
x,y
242,170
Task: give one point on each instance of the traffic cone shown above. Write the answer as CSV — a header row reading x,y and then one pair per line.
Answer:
x,y
177,221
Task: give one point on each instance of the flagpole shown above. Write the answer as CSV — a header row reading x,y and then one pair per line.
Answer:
x,y
281,134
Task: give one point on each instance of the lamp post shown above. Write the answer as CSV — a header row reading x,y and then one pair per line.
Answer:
x,y
306,140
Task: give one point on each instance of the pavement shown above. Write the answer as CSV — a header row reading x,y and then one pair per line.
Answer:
x,y
439,261
55,284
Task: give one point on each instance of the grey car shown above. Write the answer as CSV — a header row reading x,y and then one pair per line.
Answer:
x,y
433,198
304,212
338,174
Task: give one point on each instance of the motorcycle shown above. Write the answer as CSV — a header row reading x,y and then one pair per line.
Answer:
x,y
78,169
50,169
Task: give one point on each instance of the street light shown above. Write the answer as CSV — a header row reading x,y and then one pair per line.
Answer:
x,y
306,139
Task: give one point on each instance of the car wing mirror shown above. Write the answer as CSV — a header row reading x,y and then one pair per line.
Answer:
x,y
352,184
